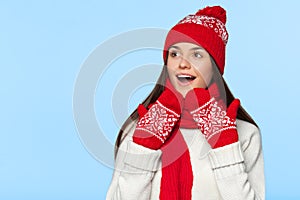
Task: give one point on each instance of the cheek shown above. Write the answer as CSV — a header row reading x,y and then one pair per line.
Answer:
x,y
170,63
171,73
169,69
205,72
171,66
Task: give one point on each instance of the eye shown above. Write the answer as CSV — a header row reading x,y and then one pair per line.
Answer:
x,y
174,53
197,55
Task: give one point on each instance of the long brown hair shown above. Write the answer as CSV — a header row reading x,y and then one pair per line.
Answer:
x,y
159,88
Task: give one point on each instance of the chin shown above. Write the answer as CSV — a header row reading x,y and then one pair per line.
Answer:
x,y
184,91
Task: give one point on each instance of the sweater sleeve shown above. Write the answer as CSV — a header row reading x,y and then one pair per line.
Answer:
x,y
239,167
135,167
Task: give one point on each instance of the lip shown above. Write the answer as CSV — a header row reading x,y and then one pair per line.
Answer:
x,y
187,82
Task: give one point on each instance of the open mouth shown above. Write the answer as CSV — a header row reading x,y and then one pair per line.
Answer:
x,y
183,78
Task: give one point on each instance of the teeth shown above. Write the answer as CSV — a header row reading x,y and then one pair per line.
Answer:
x,y
184,76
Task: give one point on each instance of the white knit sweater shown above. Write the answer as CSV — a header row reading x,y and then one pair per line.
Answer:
x,y
232,172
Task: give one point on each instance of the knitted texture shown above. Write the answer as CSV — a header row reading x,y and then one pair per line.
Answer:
x,y
156,124
206,28
217,123
177,175
157,128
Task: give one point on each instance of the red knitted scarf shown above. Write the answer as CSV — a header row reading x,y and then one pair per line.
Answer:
x,y
177,175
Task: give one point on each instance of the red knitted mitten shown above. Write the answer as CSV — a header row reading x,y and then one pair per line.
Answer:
x,y
156,124
217,125
197,97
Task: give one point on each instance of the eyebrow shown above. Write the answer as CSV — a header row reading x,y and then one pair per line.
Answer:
x,y
192,49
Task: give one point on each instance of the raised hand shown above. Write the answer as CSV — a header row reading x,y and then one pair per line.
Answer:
x,y
156,123
216,122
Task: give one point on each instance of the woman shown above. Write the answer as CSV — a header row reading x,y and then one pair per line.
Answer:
x,y
190,138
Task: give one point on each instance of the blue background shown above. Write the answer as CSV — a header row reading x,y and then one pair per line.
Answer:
x,y
44,43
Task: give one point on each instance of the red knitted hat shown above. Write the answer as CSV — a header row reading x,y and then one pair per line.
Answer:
x,y
206,28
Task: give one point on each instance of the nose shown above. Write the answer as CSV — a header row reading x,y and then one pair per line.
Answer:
x,y
184,63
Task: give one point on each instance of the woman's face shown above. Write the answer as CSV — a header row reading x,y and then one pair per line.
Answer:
x,y
189,66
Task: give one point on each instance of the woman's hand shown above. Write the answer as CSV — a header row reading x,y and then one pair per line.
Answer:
x,y
216,122
156,124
